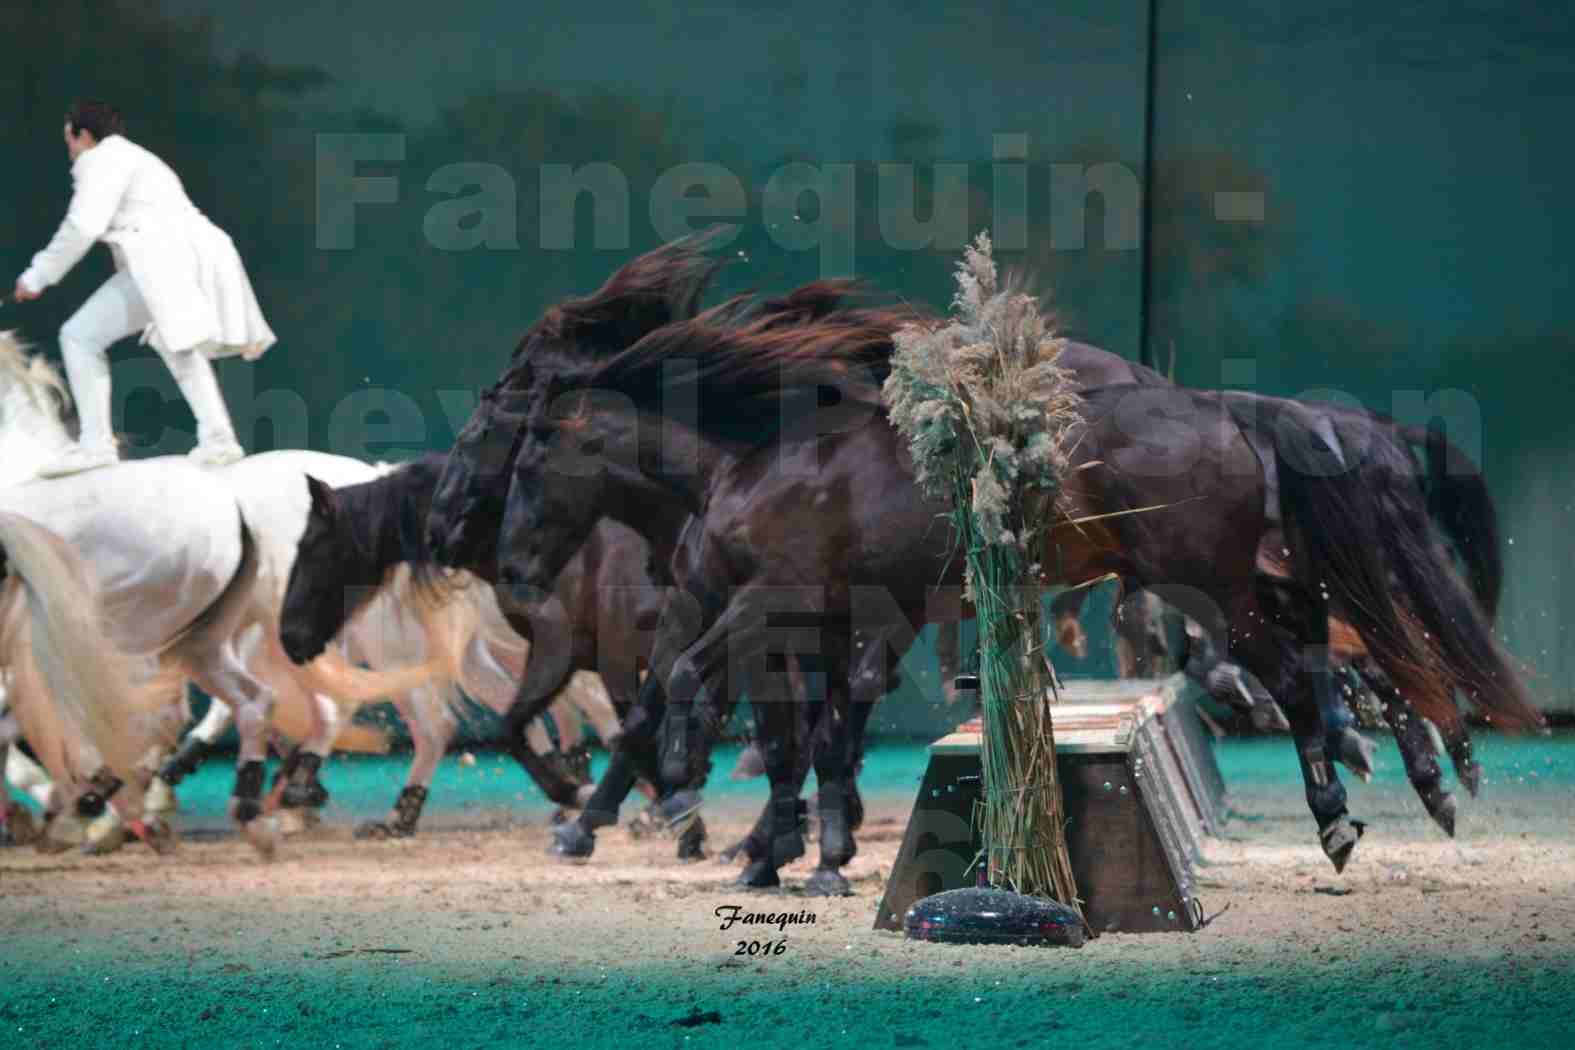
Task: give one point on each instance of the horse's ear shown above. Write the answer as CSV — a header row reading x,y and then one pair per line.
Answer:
x,y
324,502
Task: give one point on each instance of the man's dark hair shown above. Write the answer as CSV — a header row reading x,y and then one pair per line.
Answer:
x,y
89,114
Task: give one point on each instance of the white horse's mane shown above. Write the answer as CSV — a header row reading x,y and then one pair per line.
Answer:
x,y
35,374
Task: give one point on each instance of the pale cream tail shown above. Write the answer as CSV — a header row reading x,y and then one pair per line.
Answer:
x,y
69,681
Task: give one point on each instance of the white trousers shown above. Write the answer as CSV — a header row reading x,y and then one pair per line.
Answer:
x,y
111,314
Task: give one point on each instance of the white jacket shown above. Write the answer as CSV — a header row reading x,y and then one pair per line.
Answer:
x,y
185,267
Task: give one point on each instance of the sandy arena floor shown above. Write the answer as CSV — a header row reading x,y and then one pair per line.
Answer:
x,y
472,934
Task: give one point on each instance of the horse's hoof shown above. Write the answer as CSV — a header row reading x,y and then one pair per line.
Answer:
x,y
759,875
90,805
691,844
1357,752
1339,840
159,799
263,834
827,882
572,842
373,829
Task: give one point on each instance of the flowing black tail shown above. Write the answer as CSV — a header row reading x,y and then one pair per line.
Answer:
x,y
1363,533
1459,501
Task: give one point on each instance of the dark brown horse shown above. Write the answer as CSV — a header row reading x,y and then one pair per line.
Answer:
x,y
824,524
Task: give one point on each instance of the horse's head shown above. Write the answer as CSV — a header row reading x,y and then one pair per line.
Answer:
x,y
578,453
332,577
467,505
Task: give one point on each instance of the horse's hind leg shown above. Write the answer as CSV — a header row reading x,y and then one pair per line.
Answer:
x,y
1342,739
1458,743
1283,639
1416,746
197,745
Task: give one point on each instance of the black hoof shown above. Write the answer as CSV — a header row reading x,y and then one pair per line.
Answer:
x,y
760,875
90,804
691,844
1339,841
827,882
572,842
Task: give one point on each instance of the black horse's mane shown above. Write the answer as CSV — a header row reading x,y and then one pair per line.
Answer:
x,y
395,507
643,335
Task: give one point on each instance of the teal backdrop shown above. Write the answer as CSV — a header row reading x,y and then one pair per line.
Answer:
x,y
1359,198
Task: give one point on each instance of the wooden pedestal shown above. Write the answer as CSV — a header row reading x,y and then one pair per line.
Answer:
x,y
1140,787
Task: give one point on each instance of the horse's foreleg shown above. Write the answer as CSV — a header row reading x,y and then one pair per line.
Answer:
x,y
252,699
834,747
777,728
429,742
633,756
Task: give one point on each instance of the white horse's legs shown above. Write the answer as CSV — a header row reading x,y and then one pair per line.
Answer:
x,y
430,742
253,700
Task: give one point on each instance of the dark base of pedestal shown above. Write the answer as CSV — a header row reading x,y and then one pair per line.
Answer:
x,y
992,916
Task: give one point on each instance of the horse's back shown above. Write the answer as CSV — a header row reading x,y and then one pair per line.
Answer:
x,y
161,535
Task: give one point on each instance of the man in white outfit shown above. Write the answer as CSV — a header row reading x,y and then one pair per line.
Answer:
x,y
178,281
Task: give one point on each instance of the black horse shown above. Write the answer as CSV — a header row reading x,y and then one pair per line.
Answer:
x,y
603,606
834,513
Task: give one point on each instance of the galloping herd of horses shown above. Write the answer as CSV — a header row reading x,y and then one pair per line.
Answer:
x,y
659,508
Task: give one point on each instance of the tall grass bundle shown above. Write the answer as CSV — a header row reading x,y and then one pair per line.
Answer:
x,y
987,414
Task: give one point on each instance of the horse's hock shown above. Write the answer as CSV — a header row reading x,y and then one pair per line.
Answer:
x,y
1141,790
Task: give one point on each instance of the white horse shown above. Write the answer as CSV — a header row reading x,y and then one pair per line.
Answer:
x,y
177,568
243,663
